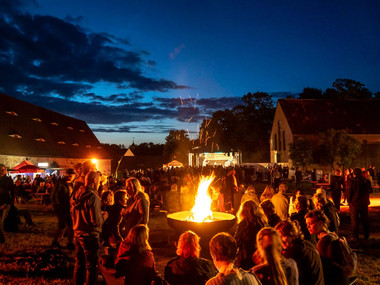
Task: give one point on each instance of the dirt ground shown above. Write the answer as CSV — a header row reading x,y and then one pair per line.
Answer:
x,y
162,239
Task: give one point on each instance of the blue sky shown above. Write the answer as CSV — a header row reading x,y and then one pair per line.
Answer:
x,y
136,69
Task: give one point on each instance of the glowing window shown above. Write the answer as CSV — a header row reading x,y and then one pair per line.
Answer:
x,y
61,142
70,128
54,124
16,136
75,144
37,119
40,140
82,131
88,146
13,113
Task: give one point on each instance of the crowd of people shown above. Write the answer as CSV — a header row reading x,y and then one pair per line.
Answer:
x,y
277,240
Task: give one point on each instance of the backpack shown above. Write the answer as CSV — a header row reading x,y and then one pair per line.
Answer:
x,y
349,261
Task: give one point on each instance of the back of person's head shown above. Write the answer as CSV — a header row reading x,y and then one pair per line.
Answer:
x,y
188,245
282,188
358,172
107,197
223,247
301,203
92,180
137,239
251,189
119,195
319,200
251,212
289,229
87,166
268,191
268,207
269,243
134,183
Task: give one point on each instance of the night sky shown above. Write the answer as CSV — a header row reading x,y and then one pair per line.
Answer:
x,y
137,69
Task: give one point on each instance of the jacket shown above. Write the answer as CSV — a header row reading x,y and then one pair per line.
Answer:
x,y
86,213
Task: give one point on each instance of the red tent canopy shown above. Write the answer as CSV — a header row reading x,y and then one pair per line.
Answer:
x,y
24,163
30,169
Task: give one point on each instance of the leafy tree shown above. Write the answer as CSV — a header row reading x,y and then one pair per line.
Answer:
x,y
347,89
340,147
148,149
301,152
311,93
177,145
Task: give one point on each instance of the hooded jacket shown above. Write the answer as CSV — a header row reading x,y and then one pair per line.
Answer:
x,y
86,213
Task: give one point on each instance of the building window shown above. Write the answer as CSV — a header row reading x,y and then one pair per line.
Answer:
x,y
40,140
37,120
279,135
12,113
61,142
283,139
54,124
16,136
88,146
82,131
275,142
75,144
70,128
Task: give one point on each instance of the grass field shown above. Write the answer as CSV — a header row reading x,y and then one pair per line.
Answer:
x,y
14,270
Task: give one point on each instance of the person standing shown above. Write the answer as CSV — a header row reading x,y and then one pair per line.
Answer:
x,y
337,187
231,189
87,225
281,203
298,178
137,208
7,196
358,200
61,202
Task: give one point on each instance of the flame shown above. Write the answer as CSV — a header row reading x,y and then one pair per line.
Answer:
x,y
201,211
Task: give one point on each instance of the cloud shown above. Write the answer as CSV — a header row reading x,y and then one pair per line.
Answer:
x,y
48,55
176,51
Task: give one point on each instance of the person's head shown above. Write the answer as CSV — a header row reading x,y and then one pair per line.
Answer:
x,y
121,197
301,203
289,231
316,222
70,174
251,212
132,185
3,170
319,200
269,244
282,188
92,180
78,168
268,190
137,239
251,189
268,207
188,245
87,167
358,172
321,191
223,248
107,197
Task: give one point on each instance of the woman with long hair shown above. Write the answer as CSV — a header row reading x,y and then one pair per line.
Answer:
x,y
250,220
267,194
135,258
188,268
275,269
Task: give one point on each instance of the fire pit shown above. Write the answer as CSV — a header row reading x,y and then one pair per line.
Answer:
x,y
201,219
221,222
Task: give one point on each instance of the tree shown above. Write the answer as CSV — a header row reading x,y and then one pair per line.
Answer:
x,y
340,147
301,152
311,93
344,89
177,145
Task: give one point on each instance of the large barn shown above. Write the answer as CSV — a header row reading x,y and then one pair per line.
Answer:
x,y
308,118
46,138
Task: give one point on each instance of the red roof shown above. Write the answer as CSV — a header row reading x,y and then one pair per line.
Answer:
x,y
309,116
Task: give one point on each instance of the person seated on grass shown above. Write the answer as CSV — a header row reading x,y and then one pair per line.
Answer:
x,y
135,260
188,268
223,251
275,268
